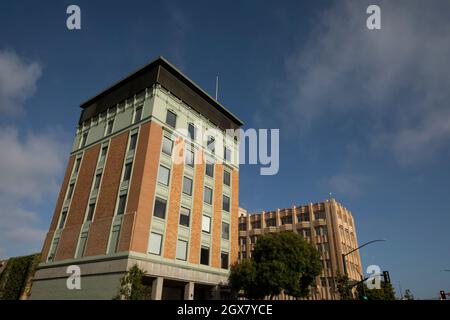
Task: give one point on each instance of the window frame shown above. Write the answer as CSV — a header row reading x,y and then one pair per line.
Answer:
x,y
188,217
211,195
159,175
185,250
191,185
206,218
160,239
165,207
170,112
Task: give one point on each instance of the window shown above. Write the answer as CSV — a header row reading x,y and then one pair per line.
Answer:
x,y
226,203
318,231
187,186
271,222
286,219
167,146
189,157
133,141
242,226
103,154
303,217
83,139
70,191
90,214
127,173
207,195
256,224
184,216
121,206
323,282
211,144
224,260
77,165
204,256
181,249
225,230
109,127
206,224
114,239
226,178
62,221
154,243
226,154
82,245
209,168
98,178
160,208
54,246
137,114
171,119
306,233
163,175
192,131
319,215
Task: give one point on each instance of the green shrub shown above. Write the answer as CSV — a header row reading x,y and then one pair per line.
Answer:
x,y
16,278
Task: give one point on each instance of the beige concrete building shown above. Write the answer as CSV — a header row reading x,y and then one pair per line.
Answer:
x,y
327,225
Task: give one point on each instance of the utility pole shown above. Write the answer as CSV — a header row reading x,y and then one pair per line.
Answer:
x,y
217,87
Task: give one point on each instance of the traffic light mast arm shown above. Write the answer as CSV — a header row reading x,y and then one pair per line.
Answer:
x,y
361,246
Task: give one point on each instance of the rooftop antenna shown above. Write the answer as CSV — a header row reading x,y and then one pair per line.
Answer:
x,y
217,87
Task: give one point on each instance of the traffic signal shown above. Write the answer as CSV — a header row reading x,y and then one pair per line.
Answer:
x,y
387,278
443,296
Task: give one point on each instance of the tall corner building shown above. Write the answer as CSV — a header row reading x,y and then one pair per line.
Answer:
x,y
125,200
327,225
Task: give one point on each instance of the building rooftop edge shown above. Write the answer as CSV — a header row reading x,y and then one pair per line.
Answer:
x,y
160,60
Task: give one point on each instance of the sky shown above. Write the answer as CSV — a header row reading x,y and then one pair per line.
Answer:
x,y
362,113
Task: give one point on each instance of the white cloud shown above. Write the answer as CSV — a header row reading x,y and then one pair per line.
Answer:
x,y
396,77
347,185
31,163
17,81
30,166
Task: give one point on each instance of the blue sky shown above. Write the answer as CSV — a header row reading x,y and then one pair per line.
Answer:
x,y
362,114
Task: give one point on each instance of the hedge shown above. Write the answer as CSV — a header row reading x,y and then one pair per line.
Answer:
x,y
15,279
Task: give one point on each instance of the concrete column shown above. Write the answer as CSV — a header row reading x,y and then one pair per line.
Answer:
x,y
263,220
294,218
278,218
189,291
157,288
215,293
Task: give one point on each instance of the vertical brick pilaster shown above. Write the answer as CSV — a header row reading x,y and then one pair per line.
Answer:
x,y
170,242
234,216
135,188
217,216
80,197
58,207
146,196
99,230
197,208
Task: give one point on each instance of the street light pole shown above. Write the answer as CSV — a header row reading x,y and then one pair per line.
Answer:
x,y
346,254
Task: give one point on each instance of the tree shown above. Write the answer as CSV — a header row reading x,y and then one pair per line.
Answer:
x,y
280,262
386,292
408,295
131,286
343,287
